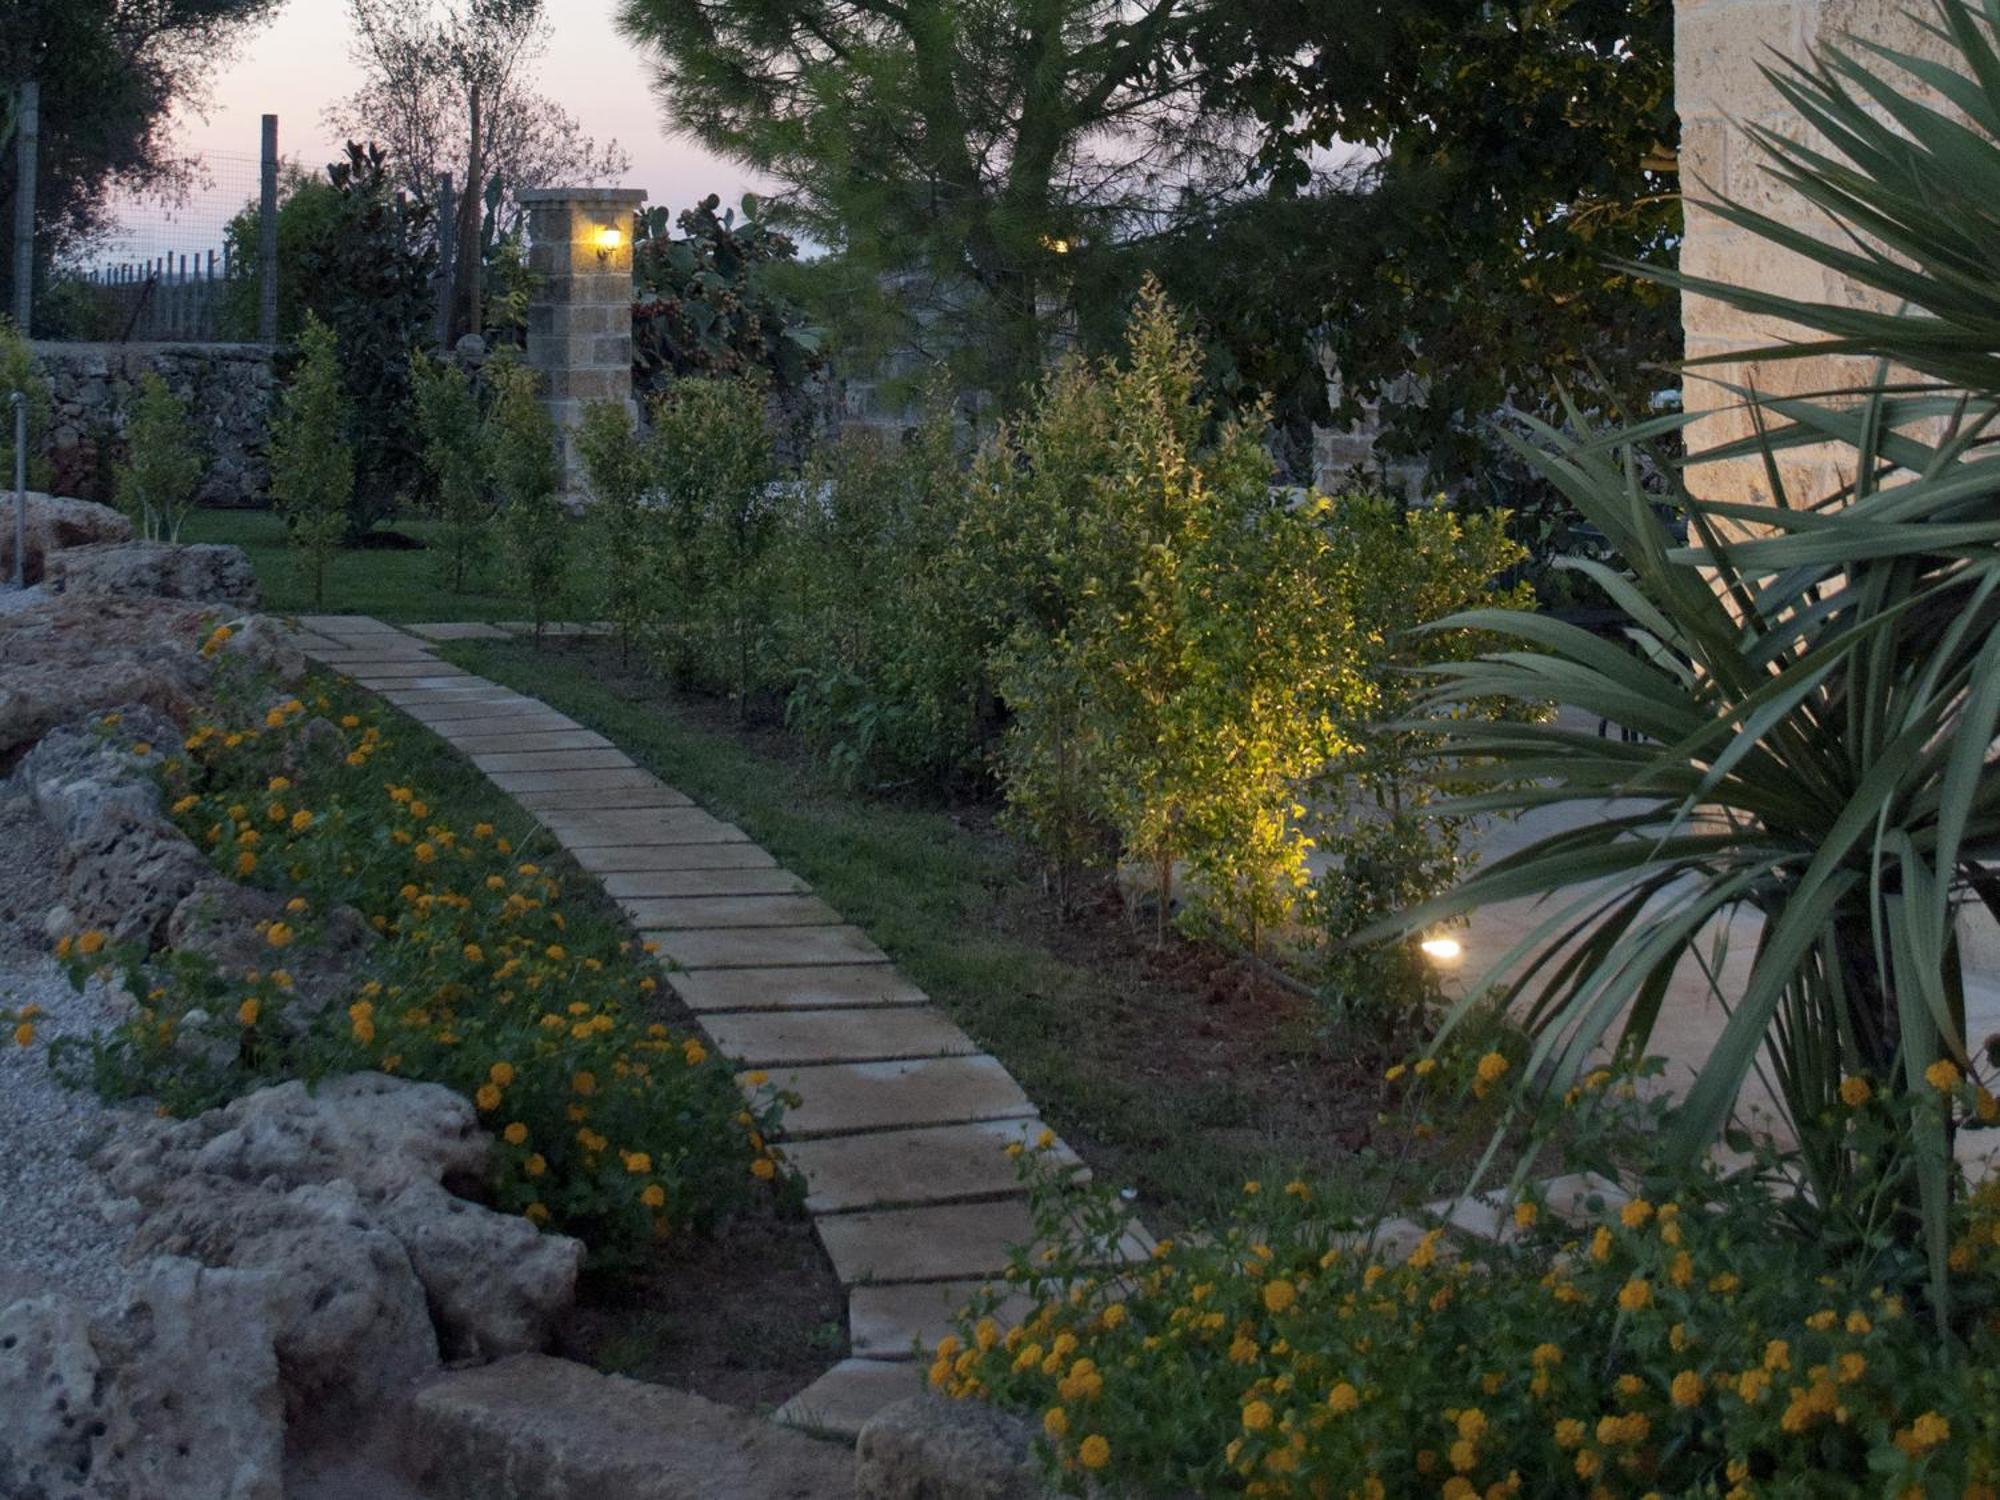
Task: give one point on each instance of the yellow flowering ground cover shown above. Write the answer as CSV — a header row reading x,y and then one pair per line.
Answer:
x,y
541,1010
1707,1339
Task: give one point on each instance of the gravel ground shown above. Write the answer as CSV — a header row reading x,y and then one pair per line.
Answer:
x,y
51,1229
13,599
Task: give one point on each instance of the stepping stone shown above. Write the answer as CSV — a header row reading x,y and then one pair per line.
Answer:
x,y
624,830
764,947
347,625
950,1242
935,1164
360,650
634,858
591,758
885,1322
484,696
842,1097
645,883
840,1402
666,913
491,722
830,987
470,630
769,1039
603,779
455,709
487,742
615,799
420,677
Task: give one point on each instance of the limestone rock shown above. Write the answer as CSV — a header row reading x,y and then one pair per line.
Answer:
x,y
206,572
534,1428
222,921
927,1448
84,770
64,659
55,522
267,646
127,873
496,1284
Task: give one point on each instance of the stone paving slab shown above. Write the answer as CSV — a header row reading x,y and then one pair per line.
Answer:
x,y
604,779
666,913
588,758
636,858
459,630
430,677
826,987
770,1039
838,1098
890,1322
502,722
491,742
949,1242
842,1400
644,884
347,625
364,650
486,697
625,830
765,947
933,1164
617,799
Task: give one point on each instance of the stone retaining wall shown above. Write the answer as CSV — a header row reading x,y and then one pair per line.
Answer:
x,y
229,389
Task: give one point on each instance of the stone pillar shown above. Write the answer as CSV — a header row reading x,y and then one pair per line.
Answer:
x,y
580,311
1719,88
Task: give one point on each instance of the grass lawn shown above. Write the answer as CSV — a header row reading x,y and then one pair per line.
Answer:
x,y
389,583
1173,1070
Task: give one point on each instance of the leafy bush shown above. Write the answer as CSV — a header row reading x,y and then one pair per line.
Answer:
x,y
18,373
486,979
701,309
624,521
527,477
1691,1343
157,483
454,434
312,466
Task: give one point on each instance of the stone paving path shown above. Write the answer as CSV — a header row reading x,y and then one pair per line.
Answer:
x,y
903,1122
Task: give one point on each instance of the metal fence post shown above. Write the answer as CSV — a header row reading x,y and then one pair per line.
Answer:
x,y
28,126
447,273
19,401
267,237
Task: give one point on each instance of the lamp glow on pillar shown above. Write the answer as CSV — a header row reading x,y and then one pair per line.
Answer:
x,y
1442,950
607,239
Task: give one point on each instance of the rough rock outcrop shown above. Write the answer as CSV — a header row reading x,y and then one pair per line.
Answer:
x,y
927,1448
175,1394
345,1194
55,522
204,572
65,659
224,922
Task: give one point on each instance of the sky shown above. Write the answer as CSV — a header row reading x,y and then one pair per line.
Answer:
x,y
298,63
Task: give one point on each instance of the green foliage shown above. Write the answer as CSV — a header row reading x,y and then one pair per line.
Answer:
x,y
312,466
714,468
454,434
309,215
624,522
1688,1342
1814,694
18,373
702,305
527,477
157,483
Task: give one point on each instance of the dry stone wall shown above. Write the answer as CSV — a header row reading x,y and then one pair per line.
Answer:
x,y
1720,48
229,389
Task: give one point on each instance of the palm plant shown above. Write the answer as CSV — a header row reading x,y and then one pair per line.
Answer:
x,y
1816,694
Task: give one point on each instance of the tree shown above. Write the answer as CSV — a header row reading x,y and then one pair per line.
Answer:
x,y
527,477
449,90
1518,150
981,153
312,466
111,73
157,483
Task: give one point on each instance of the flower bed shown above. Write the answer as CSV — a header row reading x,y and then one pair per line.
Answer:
x,y
482,977
1693,1344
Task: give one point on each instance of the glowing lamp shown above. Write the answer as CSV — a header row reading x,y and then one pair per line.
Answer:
x,y
609,238
1442,950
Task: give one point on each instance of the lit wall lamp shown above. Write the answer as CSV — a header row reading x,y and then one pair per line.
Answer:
x,y
1445,952
607,239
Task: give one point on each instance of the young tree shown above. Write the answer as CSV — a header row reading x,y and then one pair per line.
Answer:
x,y
455,453
624,523
312,466
157,483
527,476
982,152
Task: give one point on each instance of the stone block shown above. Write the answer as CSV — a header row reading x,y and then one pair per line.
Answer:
x,y
893,1322
952,1242
928,1448
639,795
819,987
766,947
774,1038
839,1098
667,913
931,1164
602,779
643,884
613,830
843,1400
632,858
481,742
586,758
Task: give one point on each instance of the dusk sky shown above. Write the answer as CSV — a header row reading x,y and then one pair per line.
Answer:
x,y
299,63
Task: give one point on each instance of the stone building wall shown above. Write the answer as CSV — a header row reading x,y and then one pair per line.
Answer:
x,y
229,389
1719,87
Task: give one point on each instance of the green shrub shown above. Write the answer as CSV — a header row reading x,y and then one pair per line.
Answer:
x,y
527,476
455,453
486,979
714,467
312,466
163,469
18,373
625,523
